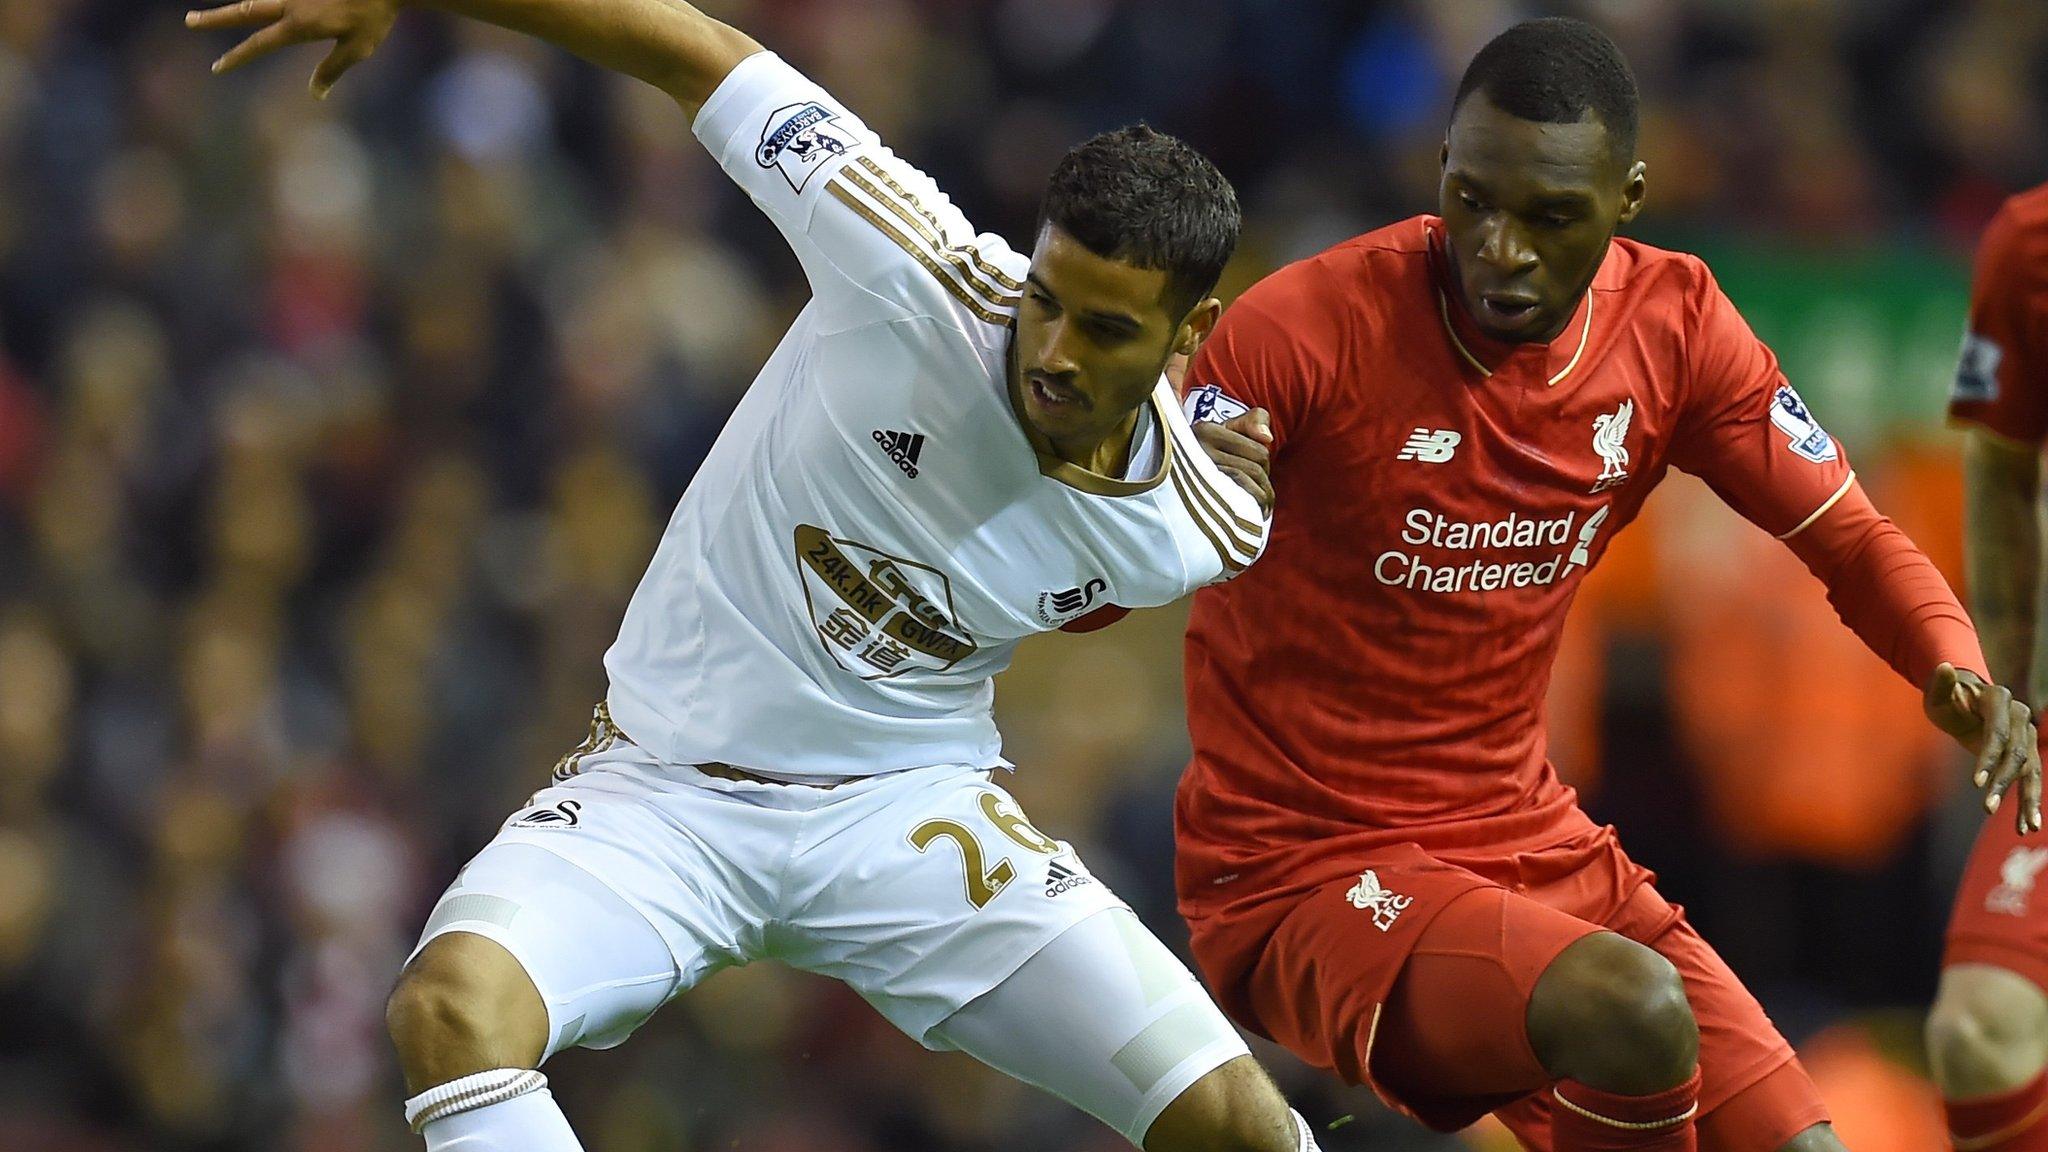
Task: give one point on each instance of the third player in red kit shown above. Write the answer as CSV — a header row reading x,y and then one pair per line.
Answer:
x,y
1380,868
1987,1037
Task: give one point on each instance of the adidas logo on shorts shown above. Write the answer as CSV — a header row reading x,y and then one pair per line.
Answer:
x,y
903,448
1059,878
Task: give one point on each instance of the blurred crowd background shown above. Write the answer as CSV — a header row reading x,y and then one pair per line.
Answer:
x,y
334,436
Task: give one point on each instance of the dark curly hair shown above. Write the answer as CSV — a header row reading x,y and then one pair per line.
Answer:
x,y
1554,71
1147,199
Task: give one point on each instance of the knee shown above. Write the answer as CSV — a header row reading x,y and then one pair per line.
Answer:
x,y
1612,1014
464,1006
1987,1032
1235,1108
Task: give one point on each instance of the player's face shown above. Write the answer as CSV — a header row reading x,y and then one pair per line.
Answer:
x,y
1528,209
1092,336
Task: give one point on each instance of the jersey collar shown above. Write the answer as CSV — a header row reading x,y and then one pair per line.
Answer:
x,y
1485,355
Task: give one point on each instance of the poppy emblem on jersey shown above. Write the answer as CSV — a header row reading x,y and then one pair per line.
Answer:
x,y
1809,440
1977,370
1369,895
1209,403
878,615
1430,446
1056,608
562,815
797,138
1610,440
2016,881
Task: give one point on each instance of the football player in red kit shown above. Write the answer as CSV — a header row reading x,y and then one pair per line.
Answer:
x,y
1987,1037
1380,868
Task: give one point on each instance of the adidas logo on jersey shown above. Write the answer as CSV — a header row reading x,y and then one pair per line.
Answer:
x,y
1059,878
1430,447
903,448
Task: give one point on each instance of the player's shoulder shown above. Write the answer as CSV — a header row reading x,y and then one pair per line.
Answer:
x,y
1655,287
2015,243
2023,213
1353,283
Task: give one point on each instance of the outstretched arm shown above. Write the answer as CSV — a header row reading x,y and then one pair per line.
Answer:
x,y
1748,434
666,43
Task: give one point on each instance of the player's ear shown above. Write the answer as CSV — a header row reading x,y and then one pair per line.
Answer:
x,y
1196,327
1633,191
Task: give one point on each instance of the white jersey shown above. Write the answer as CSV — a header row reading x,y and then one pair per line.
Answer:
x,y
873,533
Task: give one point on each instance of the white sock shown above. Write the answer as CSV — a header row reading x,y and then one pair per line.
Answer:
x,y
1308,1139
503,1110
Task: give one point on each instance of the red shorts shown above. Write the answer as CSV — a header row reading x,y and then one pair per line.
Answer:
x,y
1327,973
1999,919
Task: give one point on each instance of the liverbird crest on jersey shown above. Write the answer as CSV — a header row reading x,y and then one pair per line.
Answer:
x,y
1369,895
2016,881
1610,436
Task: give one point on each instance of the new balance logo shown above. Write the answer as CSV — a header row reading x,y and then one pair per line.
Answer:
x,y
562,815
903,448
1430,447
1059,878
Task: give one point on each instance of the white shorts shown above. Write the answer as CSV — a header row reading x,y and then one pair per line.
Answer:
x,y
629,881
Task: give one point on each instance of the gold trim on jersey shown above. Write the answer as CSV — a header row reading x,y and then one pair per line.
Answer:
x,y
1071,474
1227,515
1223,553
988,270
603,735
1443,309
1822,510
1214,521
976,271
918,253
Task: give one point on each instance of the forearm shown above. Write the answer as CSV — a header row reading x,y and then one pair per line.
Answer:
x,y
666,43
2002,557
1887,591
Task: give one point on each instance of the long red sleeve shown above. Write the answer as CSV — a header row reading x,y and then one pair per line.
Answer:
x,y
1886,590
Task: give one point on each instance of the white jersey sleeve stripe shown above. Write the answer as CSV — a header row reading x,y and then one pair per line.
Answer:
x,y
1231,565
1234,553
939,271
1215,508
953,254
988,270
1221,487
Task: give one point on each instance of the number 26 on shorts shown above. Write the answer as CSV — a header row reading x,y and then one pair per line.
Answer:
x,y
984,882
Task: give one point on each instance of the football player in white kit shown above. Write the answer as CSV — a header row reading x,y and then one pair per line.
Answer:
x,y
952,448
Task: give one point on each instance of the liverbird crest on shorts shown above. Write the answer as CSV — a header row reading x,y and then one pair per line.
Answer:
x,y
1370,895
2016,881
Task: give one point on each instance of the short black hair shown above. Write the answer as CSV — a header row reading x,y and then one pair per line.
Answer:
x,y
1554,71
1148,199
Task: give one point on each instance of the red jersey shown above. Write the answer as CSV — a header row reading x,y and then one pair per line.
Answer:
x,y
1379,676
2002,375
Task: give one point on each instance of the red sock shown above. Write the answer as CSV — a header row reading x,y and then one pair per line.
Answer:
x,y
2008,1123
1589,1120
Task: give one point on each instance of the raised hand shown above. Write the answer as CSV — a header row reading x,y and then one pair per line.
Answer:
x,y
355,26
1986,719
1239,447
